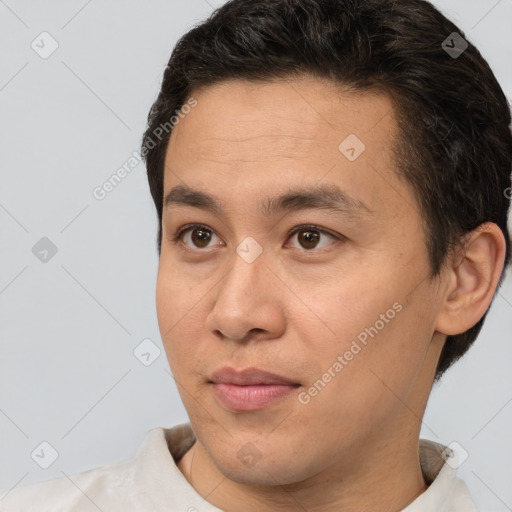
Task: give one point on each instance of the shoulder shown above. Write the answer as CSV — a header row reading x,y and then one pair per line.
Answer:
x,y
461,499
82,492
150,478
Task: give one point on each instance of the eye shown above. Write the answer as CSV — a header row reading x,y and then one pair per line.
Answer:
x,y
195,236
310,237
199,236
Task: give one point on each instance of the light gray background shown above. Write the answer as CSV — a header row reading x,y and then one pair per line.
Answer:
x,y
68,327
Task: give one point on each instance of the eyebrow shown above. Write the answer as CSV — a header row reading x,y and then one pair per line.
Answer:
x,y
326,197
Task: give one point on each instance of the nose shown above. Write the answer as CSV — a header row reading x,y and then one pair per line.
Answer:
x,y
248,303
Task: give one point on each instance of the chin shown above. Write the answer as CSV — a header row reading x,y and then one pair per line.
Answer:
x,y
265,475
254,466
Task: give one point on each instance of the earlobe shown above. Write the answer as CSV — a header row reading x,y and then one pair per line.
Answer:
x,y
472,280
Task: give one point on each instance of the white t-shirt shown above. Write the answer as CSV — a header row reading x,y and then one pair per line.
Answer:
x,y
152,482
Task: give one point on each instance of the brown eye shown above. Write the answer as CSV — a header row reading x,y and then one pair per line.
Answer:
x,y
308,238
200,237
195,236
312,237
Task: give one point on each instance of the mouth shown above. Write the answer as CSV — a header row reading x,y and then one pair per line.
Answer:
x,y
250,389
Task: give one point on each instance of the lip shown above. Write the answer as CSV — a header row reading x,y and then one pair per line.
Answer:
x,y
249,389
249,377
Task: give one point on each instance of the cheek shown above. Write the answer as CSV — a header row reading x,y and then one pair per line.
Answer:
x,y
358,385
176,295
178,306
372,328
350,307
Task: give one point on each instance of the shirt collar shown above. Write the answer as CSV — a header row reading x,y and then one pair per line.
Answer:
x,y
158,475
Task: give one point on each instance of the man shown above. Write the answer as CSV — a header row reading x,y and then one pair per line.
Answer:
x,y
330,182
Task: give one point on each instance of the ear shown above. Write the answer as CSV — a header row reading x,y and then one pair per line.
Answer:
x,y
472,278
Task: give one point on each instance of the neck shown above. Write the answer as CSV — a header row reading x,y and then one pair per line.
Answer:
x,y
385,477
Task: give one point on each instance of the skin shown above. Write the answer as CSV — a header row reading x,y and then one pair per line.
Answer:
x,y
294,310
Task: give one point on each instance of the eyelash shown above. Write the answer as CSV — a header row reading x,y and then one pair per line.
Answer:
x,y
177,237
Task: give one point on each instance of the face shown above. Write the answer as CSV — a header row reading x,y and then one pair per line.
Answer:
x,y
290,248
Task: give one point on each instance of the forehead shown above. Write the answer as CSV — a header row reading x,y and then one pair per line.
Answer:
x,y
303,113
247,136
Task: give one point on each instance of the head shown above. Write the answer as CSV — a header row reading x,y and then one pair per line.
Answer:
x,y
318,96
